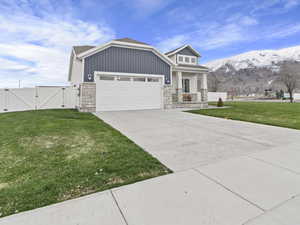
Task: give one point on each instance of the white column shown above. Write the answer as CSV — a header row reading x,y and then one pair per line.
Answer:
x,y
179,80
195,83
179,86
204,87
204,81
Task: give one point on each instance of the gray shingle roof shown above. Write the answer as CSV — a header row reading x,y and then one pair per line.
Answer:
x,y
174,50
192,66
129,40
82,48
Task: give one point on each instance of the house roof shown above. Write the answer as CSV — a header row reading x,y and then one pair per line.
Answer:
x,y
174,50
82,48
129,40
181,48
192,66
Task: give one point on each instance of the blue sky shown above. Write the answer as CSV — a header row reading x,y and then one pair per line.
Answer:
x,y
36,36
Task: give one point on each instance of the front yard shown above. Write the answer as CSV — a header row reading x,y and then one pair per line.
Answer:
x,y
270,113
50,156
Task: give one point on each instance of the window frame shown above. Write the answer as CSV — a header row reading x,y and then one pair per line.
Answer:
x,y
189,58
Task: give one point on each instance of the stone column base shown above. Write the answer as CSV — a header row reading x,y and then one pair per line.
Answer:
x,y
167,97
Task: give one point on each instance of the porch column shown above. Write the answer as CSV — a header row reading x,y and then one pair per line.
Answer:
x,y
203,87
179,86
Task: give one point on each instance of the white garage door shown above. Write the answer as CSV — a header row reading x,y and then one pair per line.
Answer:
x,y
125,92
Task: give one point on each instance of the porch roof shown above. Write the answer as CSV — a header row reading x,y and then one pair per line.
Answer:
x,y
190,68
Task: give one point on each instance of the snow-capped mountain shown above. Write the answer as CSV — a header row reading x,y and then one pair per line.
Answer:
x,y
252,72
263,58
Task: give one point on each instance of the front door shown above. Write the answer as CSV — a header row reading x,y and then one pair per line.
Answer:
x,y
186,85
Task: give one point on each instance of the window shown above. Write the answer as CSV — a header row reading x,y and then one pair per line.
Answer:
x,y
153,79
187,59
103,77
140,79
123,78
186,85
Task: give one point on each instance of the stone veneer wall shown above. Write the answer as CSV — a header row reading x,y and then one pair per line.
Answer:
x,y
168,98
87,98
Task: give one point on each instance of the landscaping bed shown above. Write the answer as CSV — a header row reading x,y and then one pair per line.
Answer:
x,y
50,156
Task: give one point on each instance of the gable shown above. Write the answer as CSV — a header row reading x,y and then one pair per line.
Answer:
x,y
187,51
126,60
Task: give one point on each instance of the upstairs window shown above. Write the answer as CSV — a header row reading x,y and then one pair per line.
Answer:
x,y
186,59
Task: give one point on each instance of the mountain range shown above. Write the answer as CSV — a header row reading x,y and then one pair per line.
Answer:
x,y
251,72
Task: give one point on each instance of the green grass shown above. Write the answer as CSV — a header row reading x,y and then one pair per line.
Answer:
x,y
270,113
50,156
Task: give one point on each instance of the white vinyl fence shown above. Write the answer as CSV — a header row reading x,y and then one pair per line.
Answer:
x,y
297,96
214,96
41,97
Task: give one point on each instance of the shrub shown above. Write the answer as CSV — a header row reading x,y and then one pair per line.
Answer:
x,y
220,103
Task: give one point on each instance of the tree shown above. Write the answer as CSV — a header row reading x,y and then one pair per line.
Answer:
x,y
289,76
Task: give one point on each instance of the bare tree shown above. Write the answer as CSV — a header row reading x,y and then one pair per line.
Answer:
x,y
289,76
214,82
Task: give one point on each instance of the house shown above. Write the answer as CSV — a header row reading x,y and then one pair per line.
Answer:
x,y
125,74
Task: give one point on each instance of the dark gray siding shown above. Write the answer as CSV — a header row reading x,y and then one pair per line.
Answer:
x,y
126,60
186,51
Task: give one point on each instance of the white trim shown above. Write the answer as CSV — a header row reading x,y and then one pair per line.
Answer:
x,y
183,47
190,59
185,69
97,73
82,72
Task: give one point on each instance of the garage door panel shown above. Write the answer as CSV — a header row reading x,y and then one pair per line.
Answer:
x,y
128,95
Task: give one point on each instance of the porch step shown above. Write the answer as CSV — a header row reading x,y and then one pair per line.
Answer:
x,y
199,105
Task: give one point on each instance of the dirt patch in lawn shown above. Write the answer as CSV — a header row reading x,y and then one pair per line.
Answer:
x,y
3,185
73,145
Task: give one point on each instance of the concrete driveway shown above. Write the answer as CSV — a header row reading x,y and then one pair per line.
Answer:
x,y
183,140
226,173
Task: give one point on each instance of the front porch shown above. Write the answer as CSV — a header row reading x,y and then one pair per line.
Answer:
x,y
189,89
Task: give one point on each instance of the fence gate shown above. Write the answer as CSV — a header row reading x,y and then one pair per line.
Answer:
x,y
20,99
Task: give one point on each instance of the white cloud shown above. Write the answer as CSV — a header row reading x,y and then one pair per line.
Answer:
x,y
207,36
45,41
291,3
284,31
172,42
147,7
247,20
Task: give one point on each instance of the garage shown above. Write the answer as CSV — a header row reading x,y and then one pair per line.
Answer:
x,y
120,91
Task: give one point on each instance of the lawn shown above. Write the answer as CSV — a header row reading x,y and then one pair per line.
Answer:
x,y
270,113
50,156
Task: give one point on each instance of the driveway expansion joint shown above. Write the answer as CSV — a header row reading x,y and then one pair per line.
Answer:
x,y
273,164
117,204
233,192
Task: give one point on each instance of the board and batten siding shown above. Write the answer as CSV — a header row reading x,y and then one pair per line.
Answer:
x,y
186,51
126,60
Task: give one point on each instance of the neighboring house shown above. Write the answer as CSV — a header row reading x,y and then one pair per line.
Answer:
x,y
125,74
